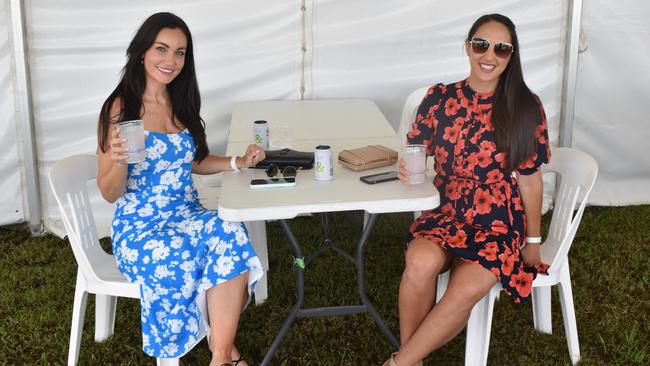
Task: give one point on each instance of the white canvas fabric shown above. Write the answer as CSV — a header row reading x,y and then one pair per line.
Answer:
x,y
381,50
11,198
612,97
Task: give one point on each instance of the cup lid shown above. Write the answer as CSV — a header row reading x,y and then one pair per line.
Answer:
x,y
259,122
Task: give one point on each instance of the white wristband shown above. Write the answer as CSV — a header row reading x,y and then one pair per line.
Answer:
x,y
534,239
233,163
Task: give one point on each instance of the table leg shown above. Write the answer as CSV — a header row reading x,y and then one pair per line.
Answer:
x,y
362,286
298,312
299,267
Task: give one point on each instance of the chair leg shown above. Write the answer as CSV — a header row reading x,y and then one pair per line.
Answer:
x,y
257,233
542,309
569,315
78,315
479,327
167,361
443,282
104,316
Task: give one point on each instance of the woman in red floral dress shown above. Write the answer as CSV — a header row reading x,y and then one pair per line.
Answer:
x,y
480,131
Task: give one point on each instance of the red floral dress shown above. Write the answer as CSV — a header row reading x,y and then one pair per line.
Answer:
x,y
480,218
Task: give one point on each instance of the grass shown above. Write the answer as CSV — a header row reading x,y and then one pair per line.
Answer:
x,y
610,271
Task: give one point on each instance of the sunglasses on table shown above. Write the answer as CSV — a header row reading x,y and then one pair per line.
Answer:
x,y
501,49
288,171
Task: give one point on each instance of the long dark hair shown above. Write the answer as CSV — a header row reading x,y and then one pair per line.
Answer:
x,y
183,90
516,111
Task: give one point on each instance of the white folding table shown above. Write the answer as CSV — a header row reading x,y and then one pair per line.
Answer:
x,y
345,192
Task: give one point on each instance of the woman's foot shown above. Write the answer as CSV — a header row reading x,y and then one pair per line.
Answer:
x,y
237,359
391,360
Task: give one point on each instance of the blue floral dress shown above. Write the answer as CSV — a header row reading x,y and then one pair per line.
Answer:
x,y
174,248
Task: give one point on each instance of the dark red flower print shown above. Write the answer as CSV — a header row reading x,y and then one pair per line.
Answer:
x,y
498,198
516,201
459,121
501,159
484,160
482,201
451,106
441,155
415,131
480,236
494,175
459,240
448,210
530,163
542,268
507,262
523,282
451,191
540,133
489,252
487,147
499,227
451,134
469,216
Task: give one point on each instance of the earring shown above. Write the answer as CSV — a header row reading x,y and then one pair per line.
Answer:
x,y
142,61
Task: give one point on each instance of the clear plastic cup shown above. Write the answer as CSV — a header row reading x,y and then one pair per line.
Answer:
x,y
133,133
416,158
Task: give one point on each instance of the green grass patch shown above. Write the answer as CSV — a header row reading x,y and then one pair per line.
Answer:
x,y
610,270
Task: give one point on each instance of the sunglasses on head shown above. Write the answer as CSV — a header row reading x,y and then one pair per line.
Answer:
x,y
288,171
501,49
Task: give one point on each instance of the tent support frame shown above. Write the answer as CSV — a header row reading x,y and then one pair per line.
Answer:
x,y
25,120
567,108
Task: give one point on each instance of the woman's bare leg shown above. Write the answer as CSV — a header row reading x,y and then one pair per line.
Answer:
x,y
467,285
225,302
424,261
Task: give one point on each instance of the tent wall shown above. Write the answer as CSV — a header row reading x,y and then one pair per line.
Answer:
x,y
612,99
253,50
11,196
77,48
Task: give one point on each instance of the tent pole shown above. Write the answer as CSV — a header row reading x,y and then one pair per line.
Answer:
x,y
25,119
570,73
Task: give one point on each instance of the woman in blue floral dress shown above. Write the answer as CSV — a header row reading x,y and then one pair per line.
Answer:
x,y
480,131
163,239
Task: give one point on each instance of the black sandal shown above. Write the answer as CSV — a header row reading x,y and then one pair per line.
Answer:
x,y
236,362
226,364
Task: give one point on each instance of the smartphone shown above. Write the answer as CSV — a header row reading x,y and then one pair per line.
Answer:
x,y
379,178
273,182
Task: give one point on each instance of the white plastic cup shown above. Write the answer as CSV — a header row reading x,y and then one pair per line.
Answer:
x,y
261,134
416,158
323,168
133,133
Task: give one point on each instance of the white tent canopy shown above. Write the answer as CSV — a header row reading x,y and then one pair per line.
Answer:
x,y
253,50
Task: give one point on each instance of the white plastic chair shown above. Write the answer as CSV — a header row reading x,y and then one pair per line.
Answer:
x,y
97,270
409,111
576,172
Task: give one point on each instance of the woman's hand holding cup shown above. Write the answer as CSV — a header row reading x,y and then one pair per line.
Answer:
x,y
119,153
403,173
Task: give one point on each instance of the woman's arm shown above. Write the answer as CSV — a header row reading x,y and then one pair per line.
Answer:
x,y
215,164
532,190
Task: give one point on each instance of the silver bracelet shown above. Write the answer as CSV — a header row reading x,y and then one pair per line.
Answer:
x,y
233,163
